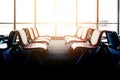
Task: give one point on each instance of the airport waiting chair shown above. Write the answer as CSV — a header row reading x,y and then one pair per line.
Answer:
x,y
108,53
36,51
93,44
13,53
38,36
113,40
77,34
86,34
30,46
113,45
31,37
86,52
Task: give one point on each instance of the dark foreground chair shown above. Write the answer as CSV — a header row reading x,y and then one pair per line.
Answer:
x,y
114,45
12,54
38,50
86,51
108,54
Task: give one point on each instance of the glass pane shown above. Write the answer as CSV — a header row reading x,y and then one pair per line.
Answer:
x,y
66,11
111,27
5,29
21,26
108,11
6,10
24,10
65,29
45,11
87,10
46,29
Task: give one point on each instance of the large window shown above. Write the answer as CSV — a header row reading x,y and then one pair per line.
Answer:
x,y
108,14
58,13
59,17
6,16
45,11
24,11
66,11
7,11
66,17
87,11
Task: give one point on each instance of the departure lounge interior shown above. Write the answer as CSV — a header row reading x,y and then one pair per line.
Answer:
x,y
60,32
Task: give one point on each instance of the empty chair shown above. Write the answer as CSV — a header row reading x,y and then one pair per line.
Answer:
x,y
94,42
109,52
35,52
85,35
31,37
41,47
38,36
113,42
85,52
77,34
13,53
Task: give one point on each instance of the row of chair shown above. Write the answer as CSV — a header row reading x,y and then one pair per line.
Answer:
x,y
34,37
83,34
94,42
25,42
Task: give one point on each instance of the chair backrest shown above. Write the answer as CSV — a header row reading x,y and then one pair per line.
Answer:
x,y
28,34
79,32
84,33
96,37
22,37
31,34
35,32
89,33
113,39
12,39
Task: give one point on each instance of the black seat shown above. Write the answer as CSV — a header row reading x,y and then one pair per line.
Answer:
x,y
108,53
13,50
86,51
113,40
114,45
34,50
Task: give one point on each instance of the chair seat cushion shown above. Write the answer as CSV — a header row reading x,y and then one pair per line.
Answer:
x,y
82,45
42,41
36,46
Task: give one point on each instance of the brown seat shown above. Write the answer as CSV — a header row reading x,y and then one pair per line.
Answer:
x,y
38,36
41,47
94,42
113,42
85,34
32,38
77,34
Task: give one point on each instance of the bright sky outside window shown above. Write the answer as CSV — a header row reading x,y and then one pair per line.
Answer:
x,y
7,11
87,11
59,14
24,10
45,10
108,11
66,11
5,29
108,14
